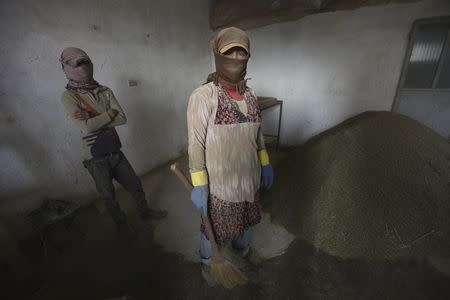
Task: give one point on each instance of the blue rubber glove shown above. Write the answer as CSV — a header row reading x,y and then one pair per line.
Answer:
x,y
199,197
267,176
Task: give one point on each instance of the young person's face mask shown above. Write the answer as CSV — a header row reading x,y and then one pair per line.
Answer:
x,y
78,68
76,62
231,66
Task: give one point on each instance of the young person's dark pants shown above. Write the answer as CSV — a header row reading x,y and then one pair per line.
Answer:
x,y
116,165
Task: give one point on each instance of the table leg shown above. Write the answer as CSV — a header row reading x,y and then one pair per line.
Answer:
x,y
279,125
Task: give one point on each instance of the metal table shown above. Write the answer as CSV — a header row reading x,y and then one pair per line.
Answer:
x,y
265,103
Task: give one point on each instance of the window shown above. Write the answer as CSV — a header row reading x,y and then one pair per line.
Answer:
x,y
424,88
427,64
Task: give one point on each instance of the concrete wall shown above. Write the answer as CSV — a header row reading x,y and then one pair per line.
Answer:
x,y
331,66
325,67
431,108
161,44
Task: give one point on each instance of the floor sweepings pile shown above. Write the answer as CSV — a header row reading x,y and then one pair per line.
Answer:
x,y
376,185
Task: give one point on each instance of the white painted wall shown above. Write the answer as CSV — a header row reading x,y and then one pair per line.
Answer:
x,y
325,67
162,44
331,66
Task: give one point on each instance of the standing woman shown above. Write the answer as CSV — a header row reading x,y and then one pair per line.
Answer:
x,y
228,161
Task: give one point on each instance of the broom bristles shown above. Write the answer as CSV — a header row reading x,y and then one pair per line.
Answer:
x,y
227,275
222,271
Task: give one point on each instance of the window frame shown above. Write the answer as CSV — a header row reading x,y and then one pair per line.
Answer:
x,y
416,24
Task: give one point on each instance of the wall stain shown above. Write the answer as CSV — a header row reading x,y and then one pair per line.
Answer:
x,y
94,27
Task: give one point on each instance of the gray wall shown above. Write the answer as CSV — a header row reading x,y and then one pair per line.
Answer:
x,y
431,108
162,44
325,67
331,66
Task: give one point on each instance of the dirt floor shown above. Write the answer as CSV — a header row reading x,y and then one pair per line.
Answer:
x,y
160,262
104,265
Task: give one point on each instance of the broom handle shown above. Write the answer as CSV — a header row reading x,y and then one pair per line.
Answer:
x,y
187,184
209,232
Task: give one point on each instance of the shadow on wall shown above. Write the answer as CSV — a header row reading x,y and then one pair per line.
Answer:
x,y
148,128
22,160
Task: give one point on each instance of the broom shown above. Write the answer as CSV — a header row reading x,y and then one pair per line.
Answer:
x,y
222,271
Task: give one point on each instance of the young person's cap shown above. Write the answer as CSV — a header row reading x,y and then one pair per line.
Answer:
x,y
232,45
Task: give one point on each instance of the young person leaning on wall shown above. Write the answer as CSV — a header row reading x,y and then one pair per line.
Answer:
x,y
95,111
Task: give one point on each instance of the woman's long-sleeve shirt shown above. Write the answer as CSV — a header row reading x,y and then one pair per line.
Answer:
x,y
224,143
